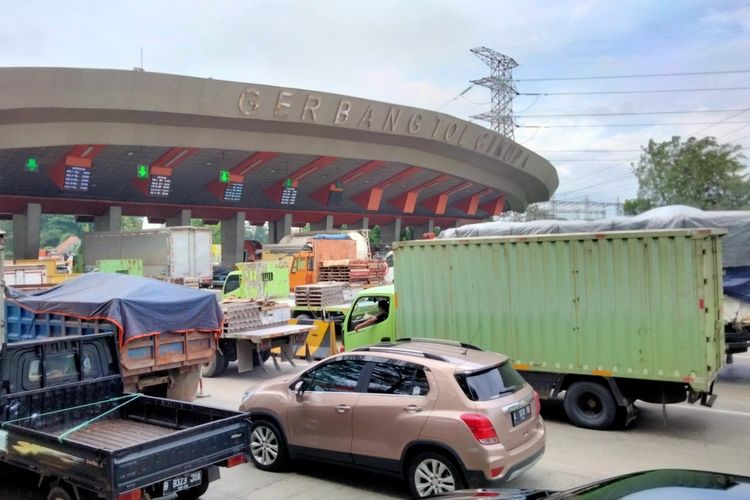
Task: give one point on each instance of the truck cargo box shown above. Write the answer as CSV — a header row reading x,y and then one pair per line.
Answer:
x,y
639,305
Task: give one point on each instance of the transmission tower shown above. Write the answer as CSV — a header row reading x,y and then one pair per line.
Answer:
x,y
503,90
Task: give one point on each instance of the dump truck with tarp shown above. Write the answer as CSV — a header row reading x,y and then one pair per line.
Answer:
x,y
165,331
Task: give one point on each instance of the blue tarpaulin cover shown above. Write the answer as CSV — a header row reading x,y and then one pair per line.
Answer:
x,y
737,282
138,306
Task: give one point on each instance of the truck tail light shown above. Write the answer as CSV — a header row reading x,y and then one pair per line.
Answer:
x,y
236,460
131,495
537,403
481,427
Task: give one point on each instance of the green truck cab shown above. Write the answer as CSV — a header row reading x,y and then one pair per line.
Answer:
x,y
364,306
256,280
599,319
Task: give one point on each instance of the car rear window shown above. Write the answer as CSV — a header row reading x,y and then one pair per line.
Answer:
x,y
493,383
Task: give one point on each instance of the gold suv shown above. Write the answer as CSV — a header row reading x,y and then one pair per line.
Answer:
x,y
443,415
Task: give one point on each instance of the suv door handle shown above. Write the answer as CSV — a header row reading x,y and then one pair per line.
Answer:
x,y
342,408
413,409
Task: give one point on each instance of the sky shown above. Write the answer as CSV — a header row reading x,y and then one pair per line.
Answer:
x,y
417,53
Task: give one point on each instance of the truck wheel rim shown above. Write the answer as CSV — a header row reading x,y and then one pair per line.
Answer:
x,y
590,404
433,477
264,446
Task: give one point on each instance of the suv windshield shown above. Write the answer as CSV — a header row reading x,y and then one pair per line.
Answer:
x,y
494,383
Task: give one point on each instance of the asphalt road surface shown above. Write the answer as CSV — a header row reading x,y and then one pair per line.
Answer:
x,y
688,436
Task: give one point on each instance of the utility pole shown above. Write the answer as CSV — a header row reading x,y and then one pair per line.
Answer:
x,y
503,89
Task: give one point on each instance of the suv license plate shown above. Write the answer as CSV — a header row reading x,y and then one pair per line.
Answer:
x,y
181,483
521,415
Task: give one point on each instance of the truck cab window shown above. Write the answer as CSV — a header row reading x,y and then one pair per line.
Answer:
x,y
232,283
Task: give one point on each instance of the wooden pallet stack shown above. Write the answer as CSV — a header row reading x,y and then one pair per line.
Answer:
x,y
319,294
367,271
337,272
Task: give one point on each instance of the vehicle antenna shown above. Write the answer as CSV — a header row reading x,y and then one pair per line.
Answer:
x,y
473,336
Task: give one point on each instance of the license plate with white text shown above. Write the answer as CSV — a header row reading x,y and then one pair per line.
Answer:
x,y
521,415
181,483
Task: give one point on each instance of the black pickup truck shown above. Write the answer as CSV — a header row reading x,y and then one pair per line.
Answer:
x,y
64,416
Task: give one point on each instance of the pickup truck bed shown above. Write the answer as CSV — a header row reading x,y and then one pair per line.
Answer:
x,y
82,429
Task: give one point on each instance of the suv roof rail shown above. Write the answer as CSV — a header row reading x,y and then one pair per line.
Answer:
x,y
398,350
440,341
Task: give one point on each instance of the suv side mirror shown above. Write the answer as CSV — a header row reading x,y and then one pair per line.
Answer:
x,y
299,387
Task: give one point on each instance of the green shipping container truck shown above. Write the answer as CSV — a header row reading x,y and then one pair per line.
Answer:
x,y
608,318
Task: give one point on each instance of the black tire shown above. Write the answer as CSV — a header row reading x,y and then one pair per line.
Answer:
x,y
215,367
304,316
590,405
59,492
433,473
196,491
268,449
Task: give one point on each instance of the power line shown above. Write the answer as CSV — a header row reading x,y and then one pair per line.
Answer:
x,y
578,125
633,113
739,112
652,91
646,75
616,179
587,150
588,159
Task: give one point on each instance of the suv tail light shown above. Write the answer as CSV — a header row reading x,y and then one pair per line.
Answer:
x,y
481,427
537,403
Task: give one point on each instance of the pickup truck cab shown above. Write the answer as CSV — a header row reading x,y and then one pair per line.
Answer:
x,y
65,417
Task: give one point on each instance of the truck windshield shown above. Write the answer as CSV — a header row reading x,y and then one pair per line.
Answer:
x,y
232,283
493,383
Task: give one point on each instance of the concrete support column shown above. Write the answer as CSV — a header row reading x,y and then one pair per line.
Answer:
x,y
365,223
281,228
26,228
323,225
181,219
232,239
390,233
110,221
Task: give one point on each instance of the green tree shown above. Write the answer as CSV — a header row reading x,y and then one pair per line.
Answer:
x,y
636,206
131,223
257,233
215,229
374,235
698,172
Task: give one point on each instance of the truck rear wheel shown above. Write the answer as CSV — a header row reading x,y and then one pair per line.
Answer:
x,y
58,492
590,405
216,366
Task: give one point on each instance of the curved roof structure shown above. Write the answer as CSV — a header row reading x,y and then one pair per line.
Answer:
x,y
79,140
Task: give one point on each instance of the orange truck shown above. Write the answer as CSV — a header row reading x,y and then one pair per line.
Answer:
x,y
321,248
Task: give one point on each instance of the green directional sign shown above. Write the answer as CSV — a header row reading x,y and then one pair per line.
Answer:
x,y
142,172
224,176
32,165
288,182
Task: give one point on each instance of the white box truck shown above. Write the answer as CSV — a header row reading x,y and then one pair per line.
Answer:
x,y
180,254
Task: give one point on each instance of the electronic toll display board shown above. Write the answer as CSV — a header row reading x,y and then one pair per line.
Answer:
x,y
233,191
159,185
76,178
288,192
